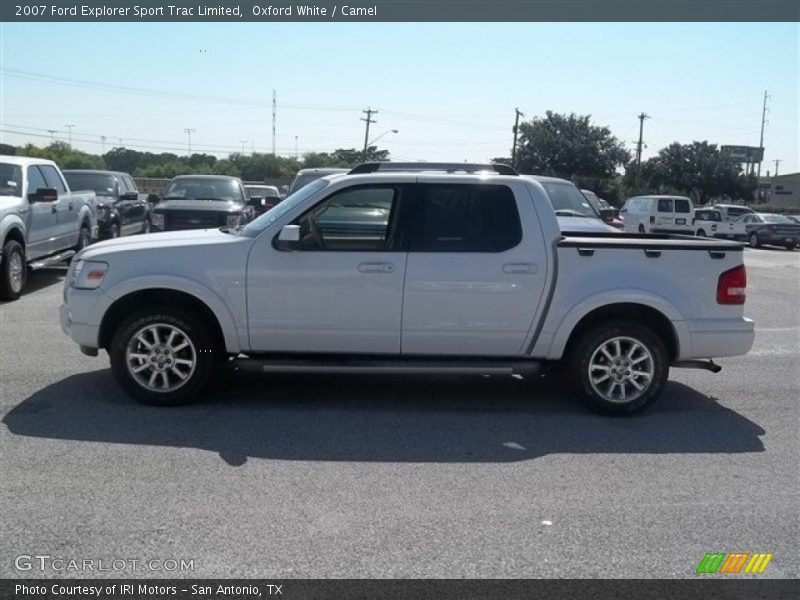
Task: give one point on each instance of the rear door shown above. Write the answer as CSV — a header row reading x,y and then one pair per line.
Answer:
x,y
473,281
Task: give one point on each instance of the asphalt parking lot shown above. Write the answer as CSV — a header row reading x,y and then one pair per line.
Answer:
x,y
280,476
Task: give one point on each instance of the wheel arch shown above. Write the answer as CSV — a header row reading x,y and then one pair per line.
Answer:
x,y
655,318
14,232
127,303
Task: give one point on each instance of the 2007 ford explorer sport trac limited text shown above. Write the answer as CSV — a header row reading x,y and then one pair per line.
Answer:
x,y
400,267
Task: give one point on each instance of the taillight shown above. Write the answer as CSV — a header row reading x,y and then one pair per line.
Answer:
x,y
731,286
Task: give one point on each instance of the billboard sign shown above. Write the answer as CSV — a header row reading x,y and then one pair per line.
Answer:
x,y
744,154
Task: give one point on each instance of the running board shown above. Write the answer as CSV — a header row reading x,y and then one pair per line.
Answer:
x,y
708,365
346,365
51,260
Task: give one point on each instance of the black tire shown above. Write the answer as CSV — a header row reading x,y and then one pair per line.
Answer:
x,y
114,230
588,347
701,233
146,226
202,350
84,238
642,229
754,241
13,271
790,247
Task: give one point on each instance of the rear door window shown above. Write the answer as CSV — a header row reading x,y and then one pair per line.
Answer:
x,y
682,206
665,205
464,218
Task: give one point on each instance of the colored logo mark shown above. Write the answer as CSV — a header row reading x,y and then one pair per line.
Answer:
x,y
735,562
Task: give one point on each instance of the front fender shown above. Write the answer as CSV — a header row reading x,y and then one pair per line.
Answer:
x,y
568,322
9,222
181,284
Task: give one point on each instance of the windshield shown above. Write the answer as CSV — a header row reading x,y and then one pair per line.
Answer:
x,y
253,228
567,200
206,188
100,183
10,180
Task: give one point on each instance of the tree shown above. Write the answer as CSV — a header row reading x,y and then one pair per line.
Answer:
x,y
65,156
698,170
570,147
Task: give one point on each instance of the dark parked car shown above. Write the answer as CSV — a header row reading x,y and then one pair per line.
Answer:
x,y
202,202
772,229
121,209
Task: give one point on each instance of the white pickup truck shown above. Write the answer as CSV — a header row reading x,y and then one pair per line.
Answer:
x,y
409,268
42,222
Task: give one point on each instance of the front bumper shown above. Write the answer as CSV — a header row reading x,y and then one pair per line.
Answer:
x,y
714,338
81,315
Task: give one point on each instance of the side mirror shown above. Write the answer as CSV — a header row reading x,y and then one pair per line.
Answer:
x,y
607,214
153,198
43,195
288,238
129,196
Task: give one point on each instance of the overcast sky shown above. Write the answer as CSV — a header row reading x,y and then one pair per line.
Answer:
x,y
449,89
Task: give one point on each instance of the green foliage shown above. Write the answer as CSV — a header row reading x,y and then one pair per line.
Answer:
x,y
64,156
570,147
698,170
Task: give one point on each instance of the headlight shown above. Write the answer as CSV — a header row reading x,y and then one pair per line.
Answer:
x,y
88,274
157,220
235,220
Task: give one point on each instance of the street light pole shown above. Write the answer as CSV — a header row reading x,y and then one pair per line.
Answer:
x,y
189,131
383,134
69,129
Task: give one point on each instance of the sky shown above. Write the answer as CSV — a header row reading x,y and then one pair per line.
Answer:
x,y
449,89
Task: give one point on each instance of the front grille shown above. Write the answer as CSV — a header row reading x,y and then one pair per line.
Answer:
x,y
194,219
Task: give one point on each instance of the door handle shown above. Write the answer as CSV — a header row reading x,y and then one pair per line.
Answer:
x,y
527,268
375,267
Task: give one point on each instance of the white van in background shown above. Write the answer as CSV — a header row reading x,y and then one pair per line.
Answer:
x,y
658,214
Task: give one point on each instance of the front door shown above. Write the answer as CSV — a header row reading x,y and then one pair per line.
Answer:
x,y
474,283
43,218
67,225
341,291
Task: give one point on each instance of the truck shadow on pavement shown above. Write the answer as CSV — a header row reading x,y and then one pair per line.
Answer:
x,y
382,419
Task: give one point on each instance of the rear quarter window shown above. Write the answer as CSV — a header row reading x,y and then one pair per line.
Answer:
x,y
682,206
665,205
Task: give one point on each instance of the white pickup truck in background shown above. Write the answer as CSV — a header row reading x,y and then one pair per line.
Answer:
x,y
42,222
410,268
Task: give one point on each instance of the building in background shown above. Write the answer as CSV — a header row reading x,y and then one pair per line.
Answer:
x,y
782,191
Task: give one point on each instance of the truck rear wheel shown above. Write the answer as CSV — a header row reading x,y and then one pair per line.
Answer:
x,y
13,271
619,367
164,356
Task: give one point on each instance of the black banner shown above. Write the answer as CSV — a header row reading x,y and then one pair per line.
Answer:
x,y
397,10
390,589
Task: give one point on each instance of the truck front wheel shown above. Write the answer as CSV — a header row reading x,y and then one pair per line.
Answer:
x,y
164,356
13,271
619,367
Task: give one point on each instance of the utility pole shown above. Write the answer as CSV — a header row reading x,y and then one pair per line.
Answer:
x,y
516,129
243,143
52,133
369,112
69,128
274,109
761,139
777,161
641,118
295,146
103,143
189,131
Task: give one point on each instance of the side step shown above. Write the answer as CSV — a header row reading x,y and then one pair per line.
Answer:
x,y
349,364
708,365
51,260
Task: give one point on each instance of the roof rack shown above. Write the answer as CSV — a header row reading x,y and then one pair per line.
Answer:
x,y
374,167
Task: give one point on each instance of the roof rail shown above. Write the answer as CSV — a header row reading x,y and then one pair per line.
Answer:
x,y
373,167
